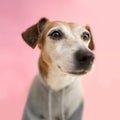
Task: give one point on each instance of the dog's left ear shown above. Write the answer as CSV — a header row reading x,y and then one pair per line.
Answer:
x,y
91,44
33,34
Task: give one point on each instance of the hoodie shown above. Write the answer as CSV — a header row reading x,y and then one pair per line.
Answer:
x,y
43,103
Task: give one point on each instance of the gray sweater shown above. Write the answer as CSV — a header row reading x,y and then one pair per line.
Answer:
x,y
44,103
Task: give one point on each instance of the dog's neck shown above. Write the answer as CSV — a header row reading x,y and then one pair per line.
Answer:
x,y
54,77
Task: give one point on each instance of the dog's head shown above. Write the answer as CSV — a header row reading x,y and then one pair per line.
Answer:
x,y
66,45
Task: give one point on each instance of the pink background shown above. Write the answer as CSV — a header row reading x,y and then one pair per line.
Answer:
x,y
18,62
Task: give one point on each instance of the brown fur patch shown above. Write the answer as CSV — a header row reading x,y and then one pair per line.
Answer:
x,y
44,62
43,67
42,42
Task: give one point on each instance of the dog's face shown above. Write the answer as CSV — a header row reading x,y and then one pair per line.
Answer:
x,y
66,45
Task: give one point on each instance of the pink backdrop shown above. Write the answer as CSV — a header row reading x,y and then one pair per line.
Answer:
x,y
18,62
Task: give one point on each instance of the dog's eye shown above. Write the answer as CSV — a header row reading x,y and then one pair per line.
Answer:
x,y
56,35
85,36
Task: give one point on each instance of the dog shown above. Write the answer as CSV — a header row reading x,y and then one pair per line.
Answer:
x,y
66,54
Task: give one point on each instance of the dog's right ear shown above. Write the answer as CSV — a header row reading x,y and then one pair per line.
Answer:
x,y
91,44
33,34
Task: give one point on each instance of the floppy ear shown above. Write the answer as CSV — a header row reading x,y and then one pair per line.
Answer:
x,y
33,34
91,44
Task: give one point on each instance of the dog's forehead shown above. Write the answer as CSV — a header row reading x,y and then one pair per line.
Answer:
x,y
64,26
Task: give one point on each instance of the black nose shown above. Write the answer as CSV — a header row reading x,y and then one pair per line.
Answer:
x,y
84,57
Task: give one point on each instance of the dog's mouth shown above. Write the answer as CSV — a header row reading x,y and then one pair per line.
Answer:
x,y
79,73
82,71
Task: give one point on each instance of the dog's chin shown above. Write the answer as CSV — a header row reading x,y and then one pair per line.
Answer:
x,y
82,71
